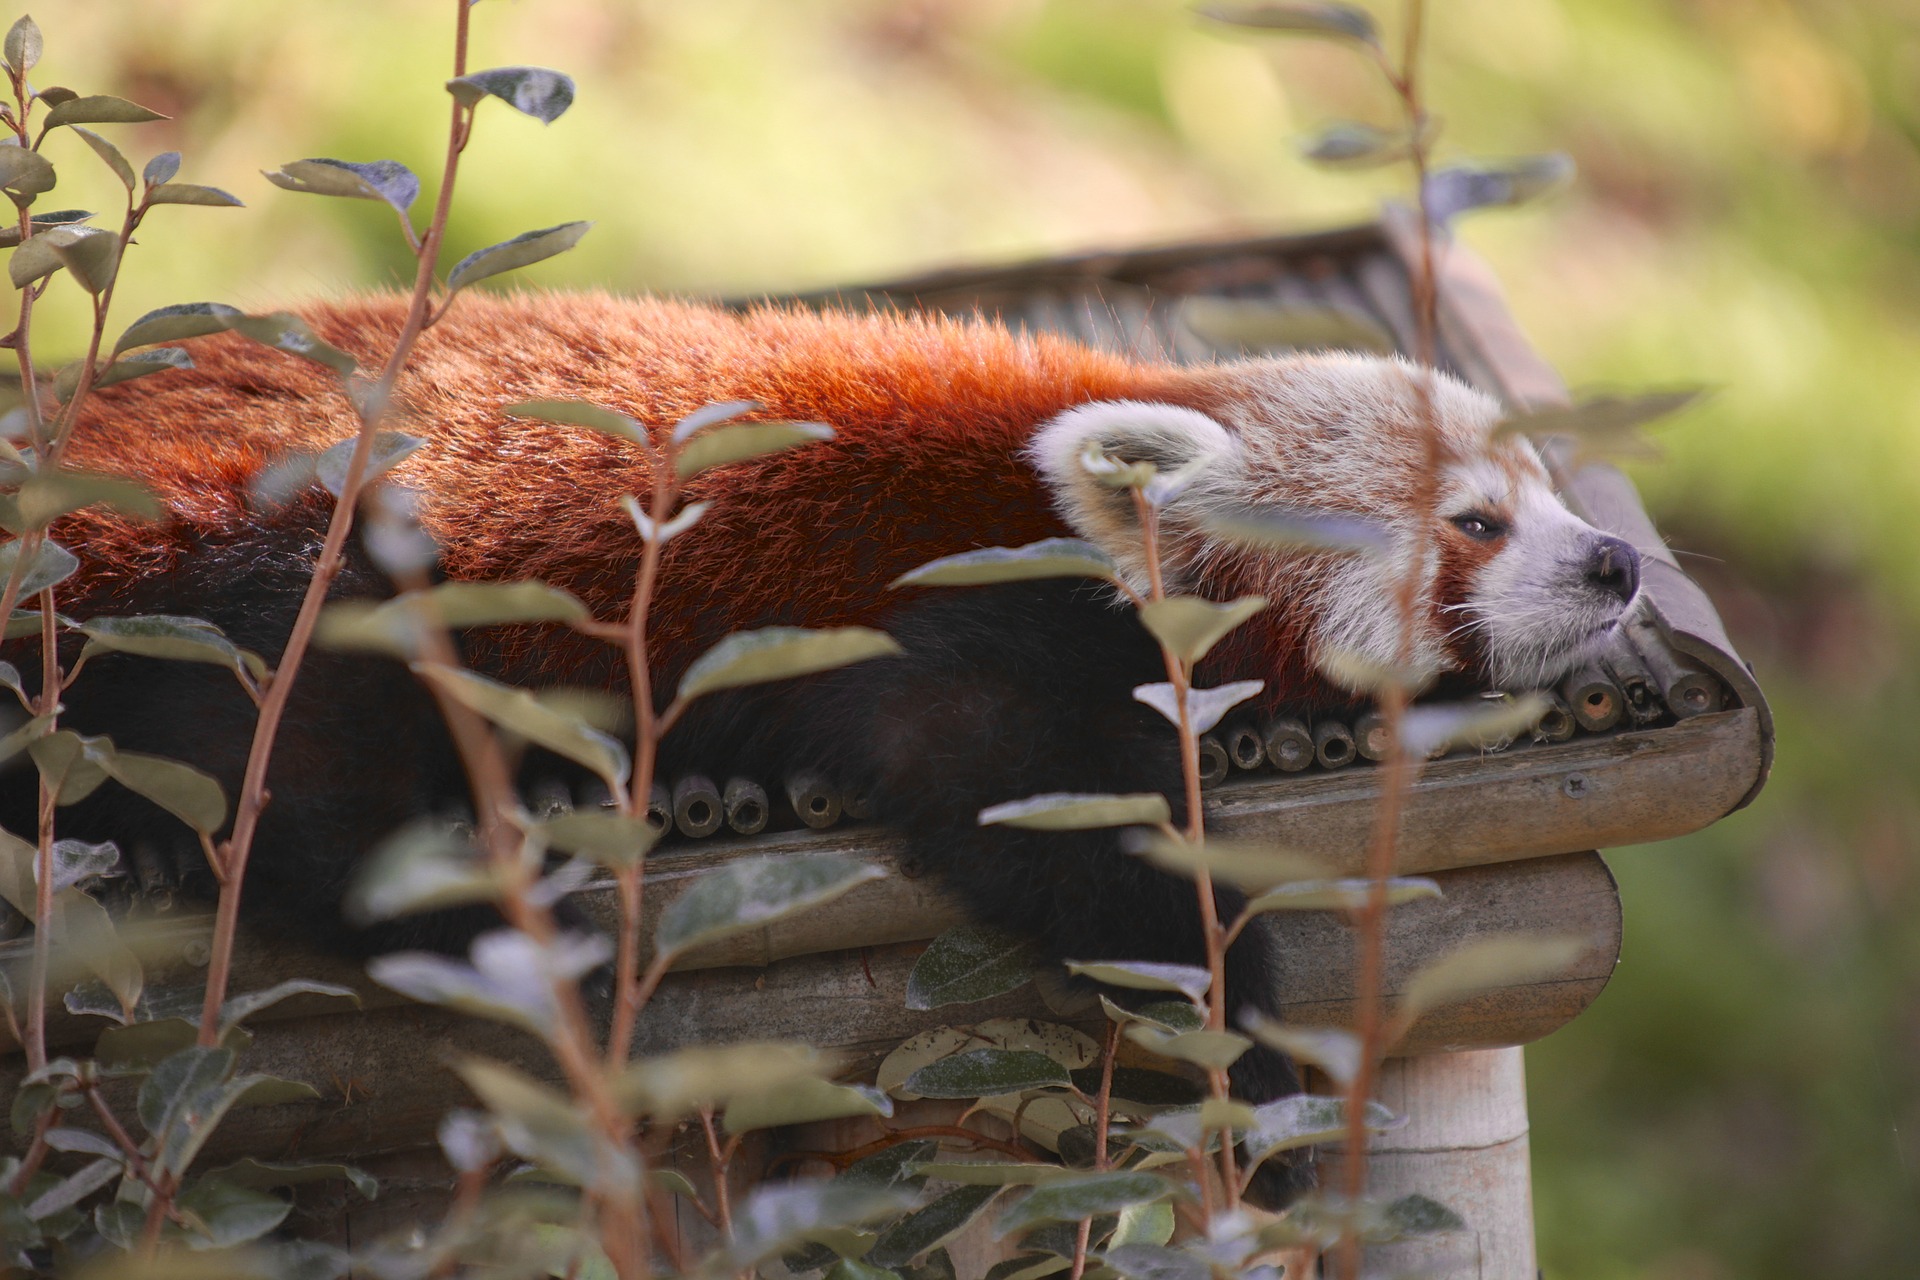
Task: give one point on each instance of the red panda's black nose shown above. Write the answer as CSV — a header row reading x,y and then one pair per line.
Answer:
x,y
1614,567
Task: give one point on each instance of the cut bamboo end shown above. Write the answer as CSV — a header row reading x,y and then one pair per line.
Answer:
x,y
1289,744
1214,761
814,802
747,810
1244,747
1596,702
1372,736
1333,744
697,808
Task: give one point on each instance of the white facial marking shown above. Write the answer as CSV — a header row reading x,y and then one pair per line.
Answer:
x,y
1343,434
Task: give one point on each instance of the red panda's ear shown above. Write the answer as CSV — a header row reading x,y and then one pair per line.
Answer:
x,y
1170,437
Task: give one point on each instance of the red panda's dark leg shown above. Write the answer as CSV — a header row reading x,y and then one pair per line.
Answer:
x,y
1004,693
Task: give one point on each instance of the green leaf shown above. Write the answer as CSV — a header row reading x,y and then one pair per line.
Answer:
x,y
651,531
182,790
931,1226
1257,325
1469,185
194,193
578,413
24,174
737,443
1241,864
539,1124
160,635
672,1085
10,235
1304,1120
1071,1199
1205,707
535,91
855,1269
1189,627
388,181
1344,21
1049,558
393,626
748,893
1142,975
1412,1216
708,415
1488,964
48,495
779,653
523,250
77,860
390,449
512,977
51,565
773,1218
985,1073
178,1082
83,1142
181,320
1143,1224
423,866
71,766
161,168
225,1214
91,260
804,1102
517,710
1485,724
1362,674
145,1043
995,1173
138,365
100,108
1156,1262
1066,811
266,1173
610,839
1601,427
240,1007
1171,1016
1275,528
23,45
969,963
1215,1050
1341,895
284,331
75,1187
1334,1051
109,153
1349,144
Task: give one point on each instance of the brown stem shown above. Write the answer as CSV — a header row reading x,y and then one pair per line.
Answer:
x,y
253,798
629,997
36,1154
43,855
1102,1114
718,1163
1397,773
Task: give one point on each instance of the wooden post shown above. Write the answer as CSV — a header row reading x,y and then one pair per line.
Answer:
x,y
1465,1145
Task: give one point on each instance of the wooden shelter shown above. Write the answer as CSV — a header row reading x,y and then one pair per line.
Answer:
x,y
1509,834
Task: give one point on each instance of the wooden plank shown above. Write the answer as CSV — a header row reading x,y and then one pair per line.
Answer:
x,y
384,1085
1465,1144
1526,802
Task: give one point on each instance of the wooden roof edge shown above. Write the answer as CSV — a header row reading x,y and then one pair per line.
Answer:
x,y
1480,328
1125,265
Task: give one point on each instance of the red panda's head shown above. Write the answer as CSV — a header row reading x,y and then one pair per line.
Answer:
x,y
1515,587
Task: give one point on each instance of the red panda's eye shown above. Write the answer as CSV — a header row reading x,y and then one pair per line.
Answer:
x,y
1480,527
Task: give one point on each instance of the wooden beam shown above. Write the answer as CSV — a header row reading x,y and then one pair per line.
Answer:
x,y
384,1085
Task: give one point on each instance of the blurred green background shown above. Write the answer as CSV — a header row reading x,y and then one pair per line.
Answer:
x,y
1745,1099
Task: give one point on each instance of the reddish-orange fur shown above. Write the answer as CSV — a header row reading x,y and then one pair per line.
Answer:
x,y
930,415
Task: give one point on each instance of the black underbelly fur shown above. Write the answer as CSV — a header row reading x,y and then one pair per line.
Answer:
x,y
1001,693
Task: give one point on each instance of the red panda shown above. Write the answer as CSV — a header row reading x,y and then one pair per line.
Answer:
x,y
949,436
